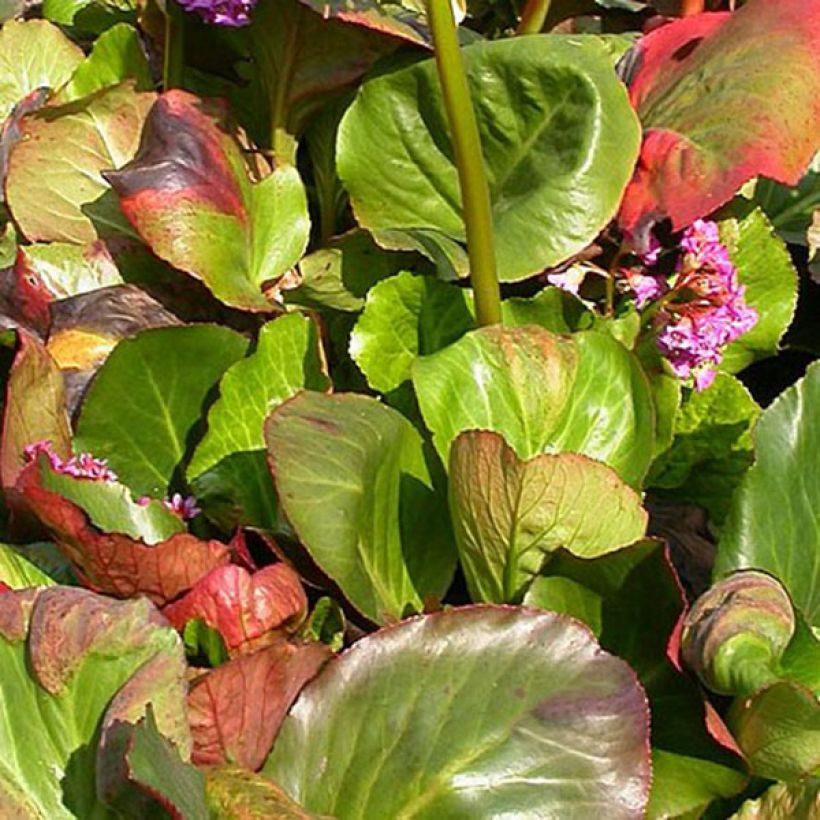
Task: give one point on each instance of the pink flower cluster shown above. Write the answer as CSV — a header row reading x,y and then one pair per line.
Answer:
x,y
86,466
708,310
83,465
183,506
234,13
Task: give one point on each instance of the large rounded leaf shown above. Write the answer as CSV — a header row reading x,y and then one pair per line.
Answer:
x,y
476,712
559,140
74,665
55,188
544,393
723,98
33,54
148,395
772,524
353,482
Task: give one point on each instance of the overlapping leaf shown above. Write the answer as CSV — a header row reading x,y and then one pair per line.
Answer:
x,y
55,186
242,606
633,601
151,391
772,524
189,194
353,482
509,515
557,166
236,710
543,393
112,562
76,666
33,54
489,712
720,104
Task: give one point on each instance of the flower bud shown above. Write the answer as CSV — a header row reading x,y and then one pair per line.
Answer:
x,y
734,635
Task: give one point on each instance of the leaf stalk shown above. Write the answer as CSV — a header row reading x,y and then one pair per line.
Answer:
x,y
174,57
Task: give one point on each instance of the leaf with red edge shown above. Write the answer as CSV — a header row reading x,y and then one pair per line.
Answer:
x,y
188,193
77,667
722,98
636,604
114,563
241,606
35,408
235,711
401,18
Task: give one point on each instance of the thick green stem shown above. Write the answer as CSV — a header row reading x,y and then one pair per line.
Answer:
x,y
475,192
533,17
174,62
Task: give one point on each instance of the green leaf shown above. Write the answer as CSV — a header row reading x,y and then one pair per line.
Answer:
x,y
288,358
203,641
295,61
189,195
568,597
145,772
409,316
772,524
509,515
784,801
635,601
352,481
764,266
146,398
476,712
67,270
712,448
326,624
111,508
779,731
89,17
17,572
55,188
340,275
543,393
117,55
75,666
559,141
238,492
234,793
28,565
33,54
406,317
789,208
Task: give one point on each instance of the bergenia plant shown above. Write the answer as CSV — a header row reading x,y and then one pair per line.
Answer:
x,y
411,409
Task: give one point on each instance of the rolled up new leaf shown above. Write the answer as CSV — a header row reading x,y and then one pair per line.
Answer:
x,y
736,633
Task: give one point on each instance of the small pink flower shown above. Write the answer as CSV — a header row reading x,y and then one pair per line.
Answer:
x,y
185,507
232,13
646,287
83,465
569,280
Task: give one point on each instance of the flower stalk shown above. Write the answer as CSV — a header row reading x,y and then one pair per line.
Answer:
x,y
174,58
533,16
475,191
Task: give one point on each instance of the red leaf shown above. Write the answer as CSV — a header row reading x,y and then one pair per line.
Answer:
x,y
236,710
241,606
722,98
116,564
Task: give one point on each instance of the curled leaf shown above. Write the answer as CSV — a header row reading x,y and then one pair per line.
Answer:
x,y
241,606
